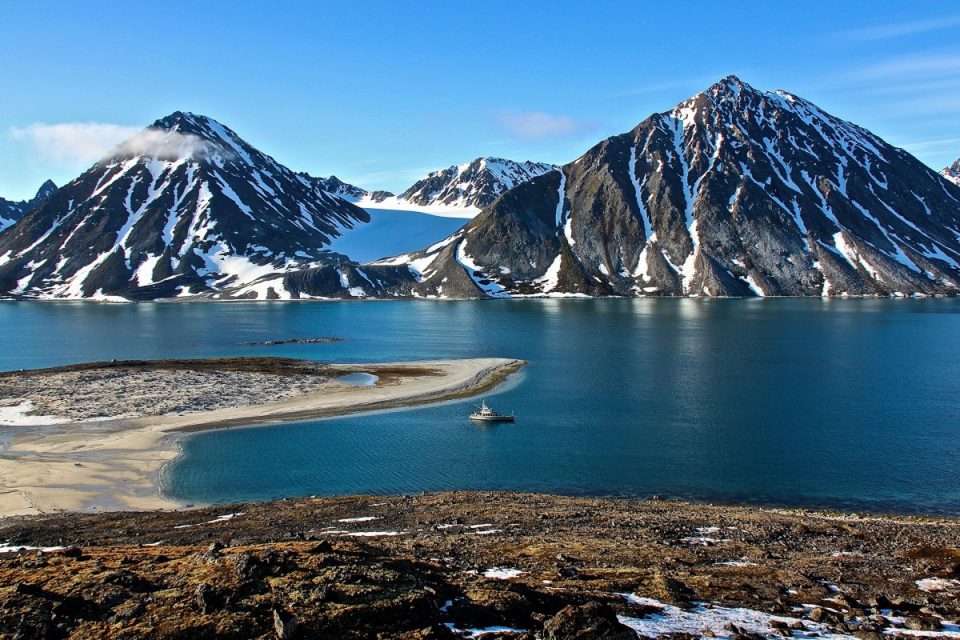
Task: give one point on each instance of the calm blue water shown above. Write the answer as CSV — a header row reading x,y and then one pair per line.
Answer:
x,y
851,404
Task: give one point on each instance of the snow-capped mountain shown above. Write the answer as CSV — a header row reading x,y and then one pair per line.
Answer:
x,y
11,210
398,224
475,184
350,192
734,192
952,173
186,207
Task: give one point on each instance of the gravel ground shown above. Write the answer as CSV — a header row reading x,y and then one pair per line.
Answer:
x,y
127,392
534,566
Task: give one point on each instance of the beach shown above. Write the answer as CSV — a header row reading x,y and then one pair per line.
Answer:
x,y
110,453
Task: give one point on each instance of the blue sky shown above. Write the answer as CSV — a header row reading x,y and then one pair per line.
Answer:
x,y
381,92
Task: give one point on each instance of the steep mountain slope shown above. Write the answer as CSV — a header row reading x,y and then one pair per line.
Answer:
x,y
952,173
734,192
474,184
186,207
11,211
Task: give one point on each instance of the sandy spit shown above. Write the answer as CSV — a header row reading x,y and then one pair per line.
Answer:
x,y
115,464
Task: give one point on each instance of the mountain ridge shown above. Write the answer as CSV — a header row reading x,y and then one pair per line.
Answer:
x,y
11,210
466,187
473,184
733,192
952,173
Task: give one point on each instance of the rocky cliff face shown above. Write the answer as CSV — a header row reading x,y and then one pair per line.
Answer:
x,y
186,207
734,192
11,211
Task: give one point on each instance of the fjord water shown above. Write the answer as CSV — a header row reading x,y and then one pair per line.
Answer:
x,y
851,404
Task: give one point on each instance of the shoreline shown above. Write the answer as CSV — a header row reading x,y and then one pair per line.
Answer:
x,y
117,464
515,297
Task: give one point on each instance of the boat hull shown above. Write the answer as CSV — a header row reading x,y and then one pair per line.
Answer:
x,y
477,418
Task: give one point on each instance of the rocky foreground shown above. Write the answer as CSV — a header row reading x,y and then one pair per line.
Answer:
x,y
496,565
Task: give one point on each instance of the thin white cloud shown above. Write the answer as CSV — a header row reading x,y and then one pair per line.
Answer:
x,y
925,82
912,67
899,29
940,143
377,179
75,145
536,125
940,152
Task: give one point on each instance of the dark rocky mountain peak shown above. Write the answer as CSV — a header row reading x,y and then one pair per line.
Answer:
x,y
474,184
952,173
45,191
186,206
11,211
733,192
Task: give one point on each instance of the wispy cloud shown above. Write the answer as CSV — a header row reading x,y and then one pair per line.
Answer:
x,y
899,29
537,125
924,82
384,179
913,67
73,145
939,144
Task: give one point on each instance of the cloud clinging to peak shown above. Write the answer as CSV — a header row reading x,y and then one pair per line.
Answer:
x,y
76,145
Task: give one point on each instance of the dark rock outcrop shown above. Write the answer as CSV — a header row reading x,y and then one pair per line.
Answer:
x,y
591,621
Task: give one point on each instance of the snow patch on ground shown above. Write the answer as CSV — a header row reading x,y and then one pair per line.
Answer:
x,y
551,277
224,518
933,585
704,617
7,548
488,286
17,415
754,286
502,573
479,633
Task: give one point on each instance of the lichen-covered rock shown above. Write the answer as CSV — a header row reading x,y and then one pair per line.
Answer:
x,y
591,621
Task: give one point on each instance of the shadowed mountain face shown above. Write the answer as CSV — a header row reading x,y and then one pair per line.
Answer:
x,y
11,211
734,192
186,206
952,173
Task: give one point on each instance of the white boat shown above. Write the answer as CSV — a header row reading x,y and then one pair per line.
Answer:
x,y
486,414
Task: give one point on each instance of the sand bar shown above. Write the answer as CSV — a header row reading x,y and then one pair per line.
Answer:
x,y
99,463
